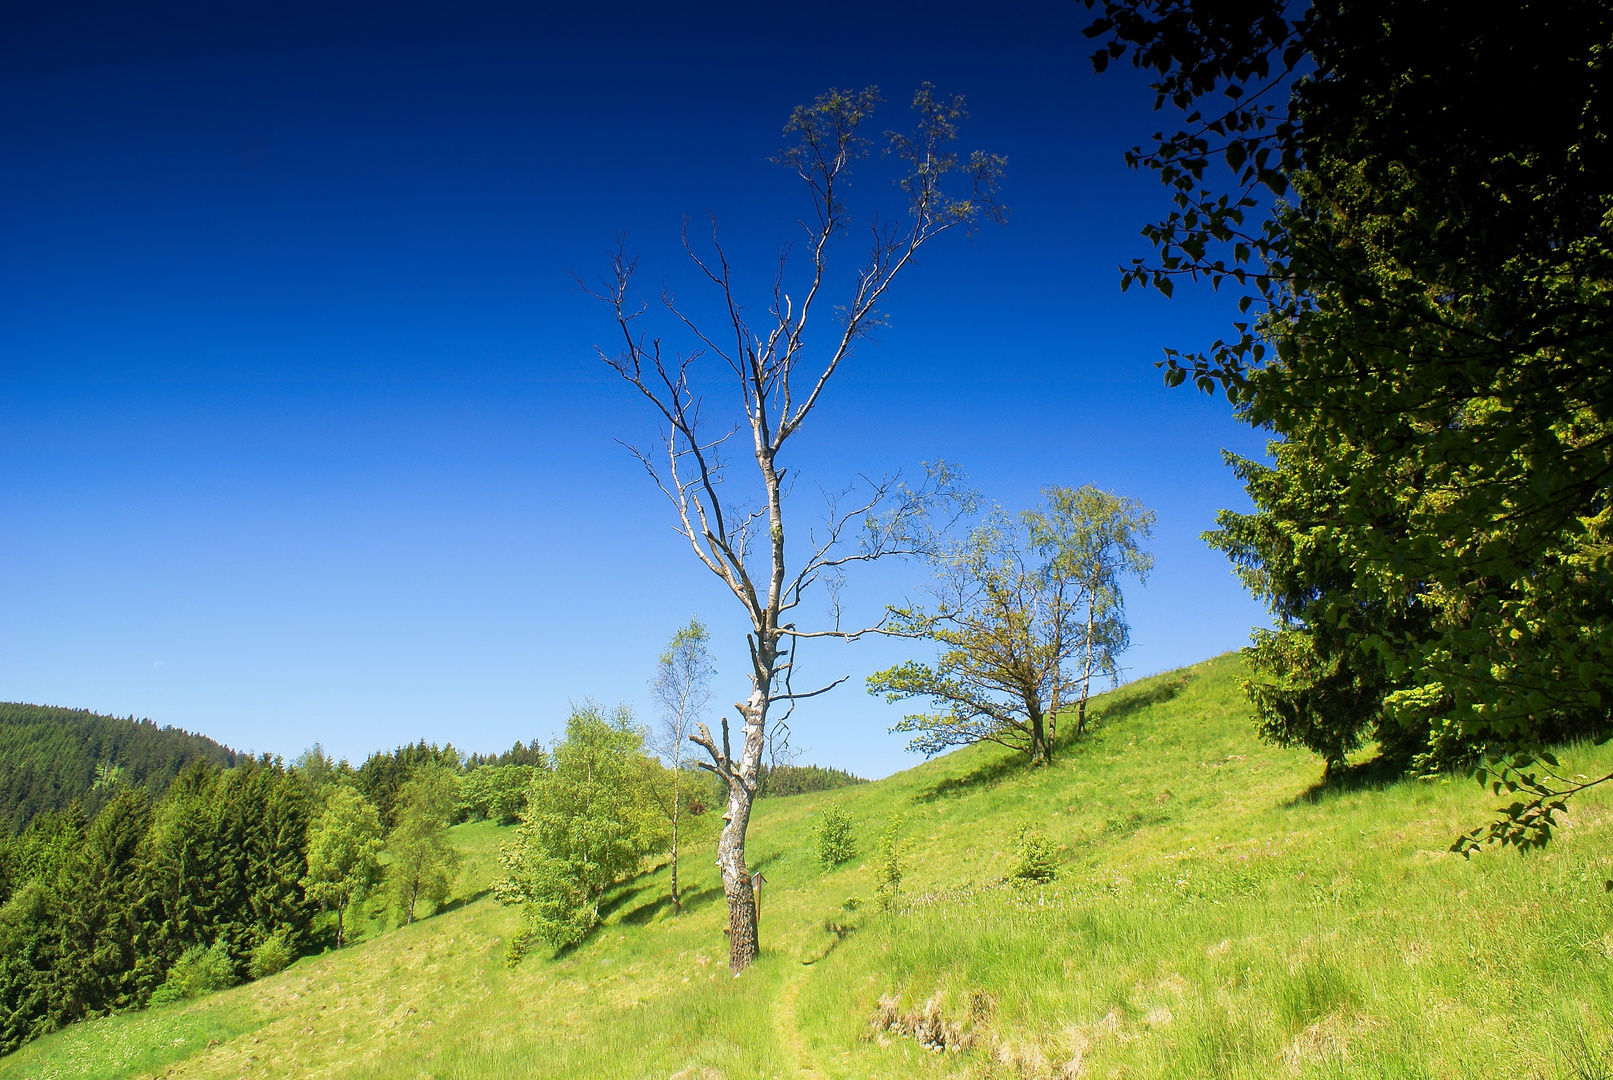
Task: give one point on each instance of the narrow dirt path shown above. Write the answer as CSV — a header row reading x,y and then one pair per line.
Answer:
x,y
789,1029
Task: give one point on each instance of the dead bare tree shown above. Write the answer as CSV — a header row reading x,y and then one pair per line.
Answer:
x,y
781,381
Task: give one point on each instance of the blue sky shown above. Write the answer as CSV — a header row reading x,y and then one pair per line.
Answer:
x,y
301,432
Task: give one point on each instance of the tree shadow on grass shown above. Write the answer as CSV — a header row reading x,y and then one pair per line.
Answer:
x,y
460,901
692,899
1000,768
618,898
1134,702
838,932
1373,775
987,775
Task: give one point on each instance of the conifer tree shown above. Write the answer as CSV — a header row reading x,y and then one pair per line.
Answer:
x,y
30,950
103,920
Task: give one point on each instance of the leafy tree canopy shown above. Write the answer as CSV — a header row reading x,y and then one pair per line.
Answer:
x,y
1027,610
1430,344
344,848
589,822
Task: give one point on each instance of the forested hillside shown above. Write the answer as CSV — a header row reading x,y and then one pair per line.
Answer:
x,y
51,757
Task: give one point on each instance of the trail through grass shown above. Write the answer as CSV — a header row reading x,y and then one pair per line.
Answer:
x,y
1216,914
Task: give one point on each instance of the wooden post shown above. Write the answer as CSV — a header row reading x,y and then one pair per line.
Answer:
x,y
756,883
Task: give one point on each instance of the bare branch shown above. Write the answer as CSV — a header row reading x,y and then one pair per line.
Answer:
x,y
811,693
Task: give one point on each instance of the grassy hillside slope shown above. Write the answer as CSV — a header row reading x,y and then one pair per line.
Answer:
x,y
1214,916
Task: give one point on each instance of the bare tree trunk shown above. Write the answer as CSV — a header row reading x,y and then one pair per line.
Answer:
x,y
1086,681
736,885
677,903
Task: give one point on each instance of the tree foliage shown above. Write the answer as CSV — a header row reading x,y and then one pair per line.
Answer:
x,y
199,970
1430,343
424,863
890,854
1028,610
384,773
97,914
1035,860
497,792
834,837
589,822
344,848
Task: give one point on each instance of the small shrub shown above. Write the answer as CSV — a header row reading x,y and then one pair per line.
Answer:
x,y
834,838
1033,856
888,864
852,903
199,971
271,957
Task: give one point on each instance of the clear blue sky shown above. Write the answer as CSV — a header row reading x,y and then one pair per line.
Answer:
x,y
301,433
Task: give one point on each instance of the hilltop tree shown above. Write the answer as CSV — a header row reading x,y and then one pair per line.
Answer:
x,y
682,689
586,826
742,541
1434,322
1094,536
344,849
423,861
1027,612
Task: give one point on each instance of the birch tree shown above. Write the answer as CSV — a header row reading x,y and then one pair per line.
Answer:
x,y
585,828
424,861
770,356
682,688
1095,535
1027,612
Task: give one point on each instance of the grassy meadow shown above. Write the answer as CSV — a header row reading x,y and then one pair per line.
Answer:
x,y
1215,914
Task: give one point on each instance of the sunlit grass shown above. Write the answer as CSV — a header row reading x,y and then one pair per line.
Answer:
x,y
1215,915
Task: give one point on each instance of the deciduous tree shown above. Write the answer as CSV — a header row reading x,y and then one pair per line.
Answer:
x,y
1027,611
344,848
1433,331
780,381
424,862
682,690
588,823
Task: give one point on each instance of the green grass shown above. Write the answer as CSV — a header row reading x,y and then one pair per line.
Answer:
x,y
1215,915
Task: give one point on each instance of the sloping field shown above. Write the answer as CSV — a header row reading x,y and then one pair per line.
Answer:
x,y
1214,916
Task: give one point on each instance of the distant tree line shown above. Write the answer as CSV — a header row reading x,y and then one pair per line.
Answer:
x,y
178,867
777,781
96,912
